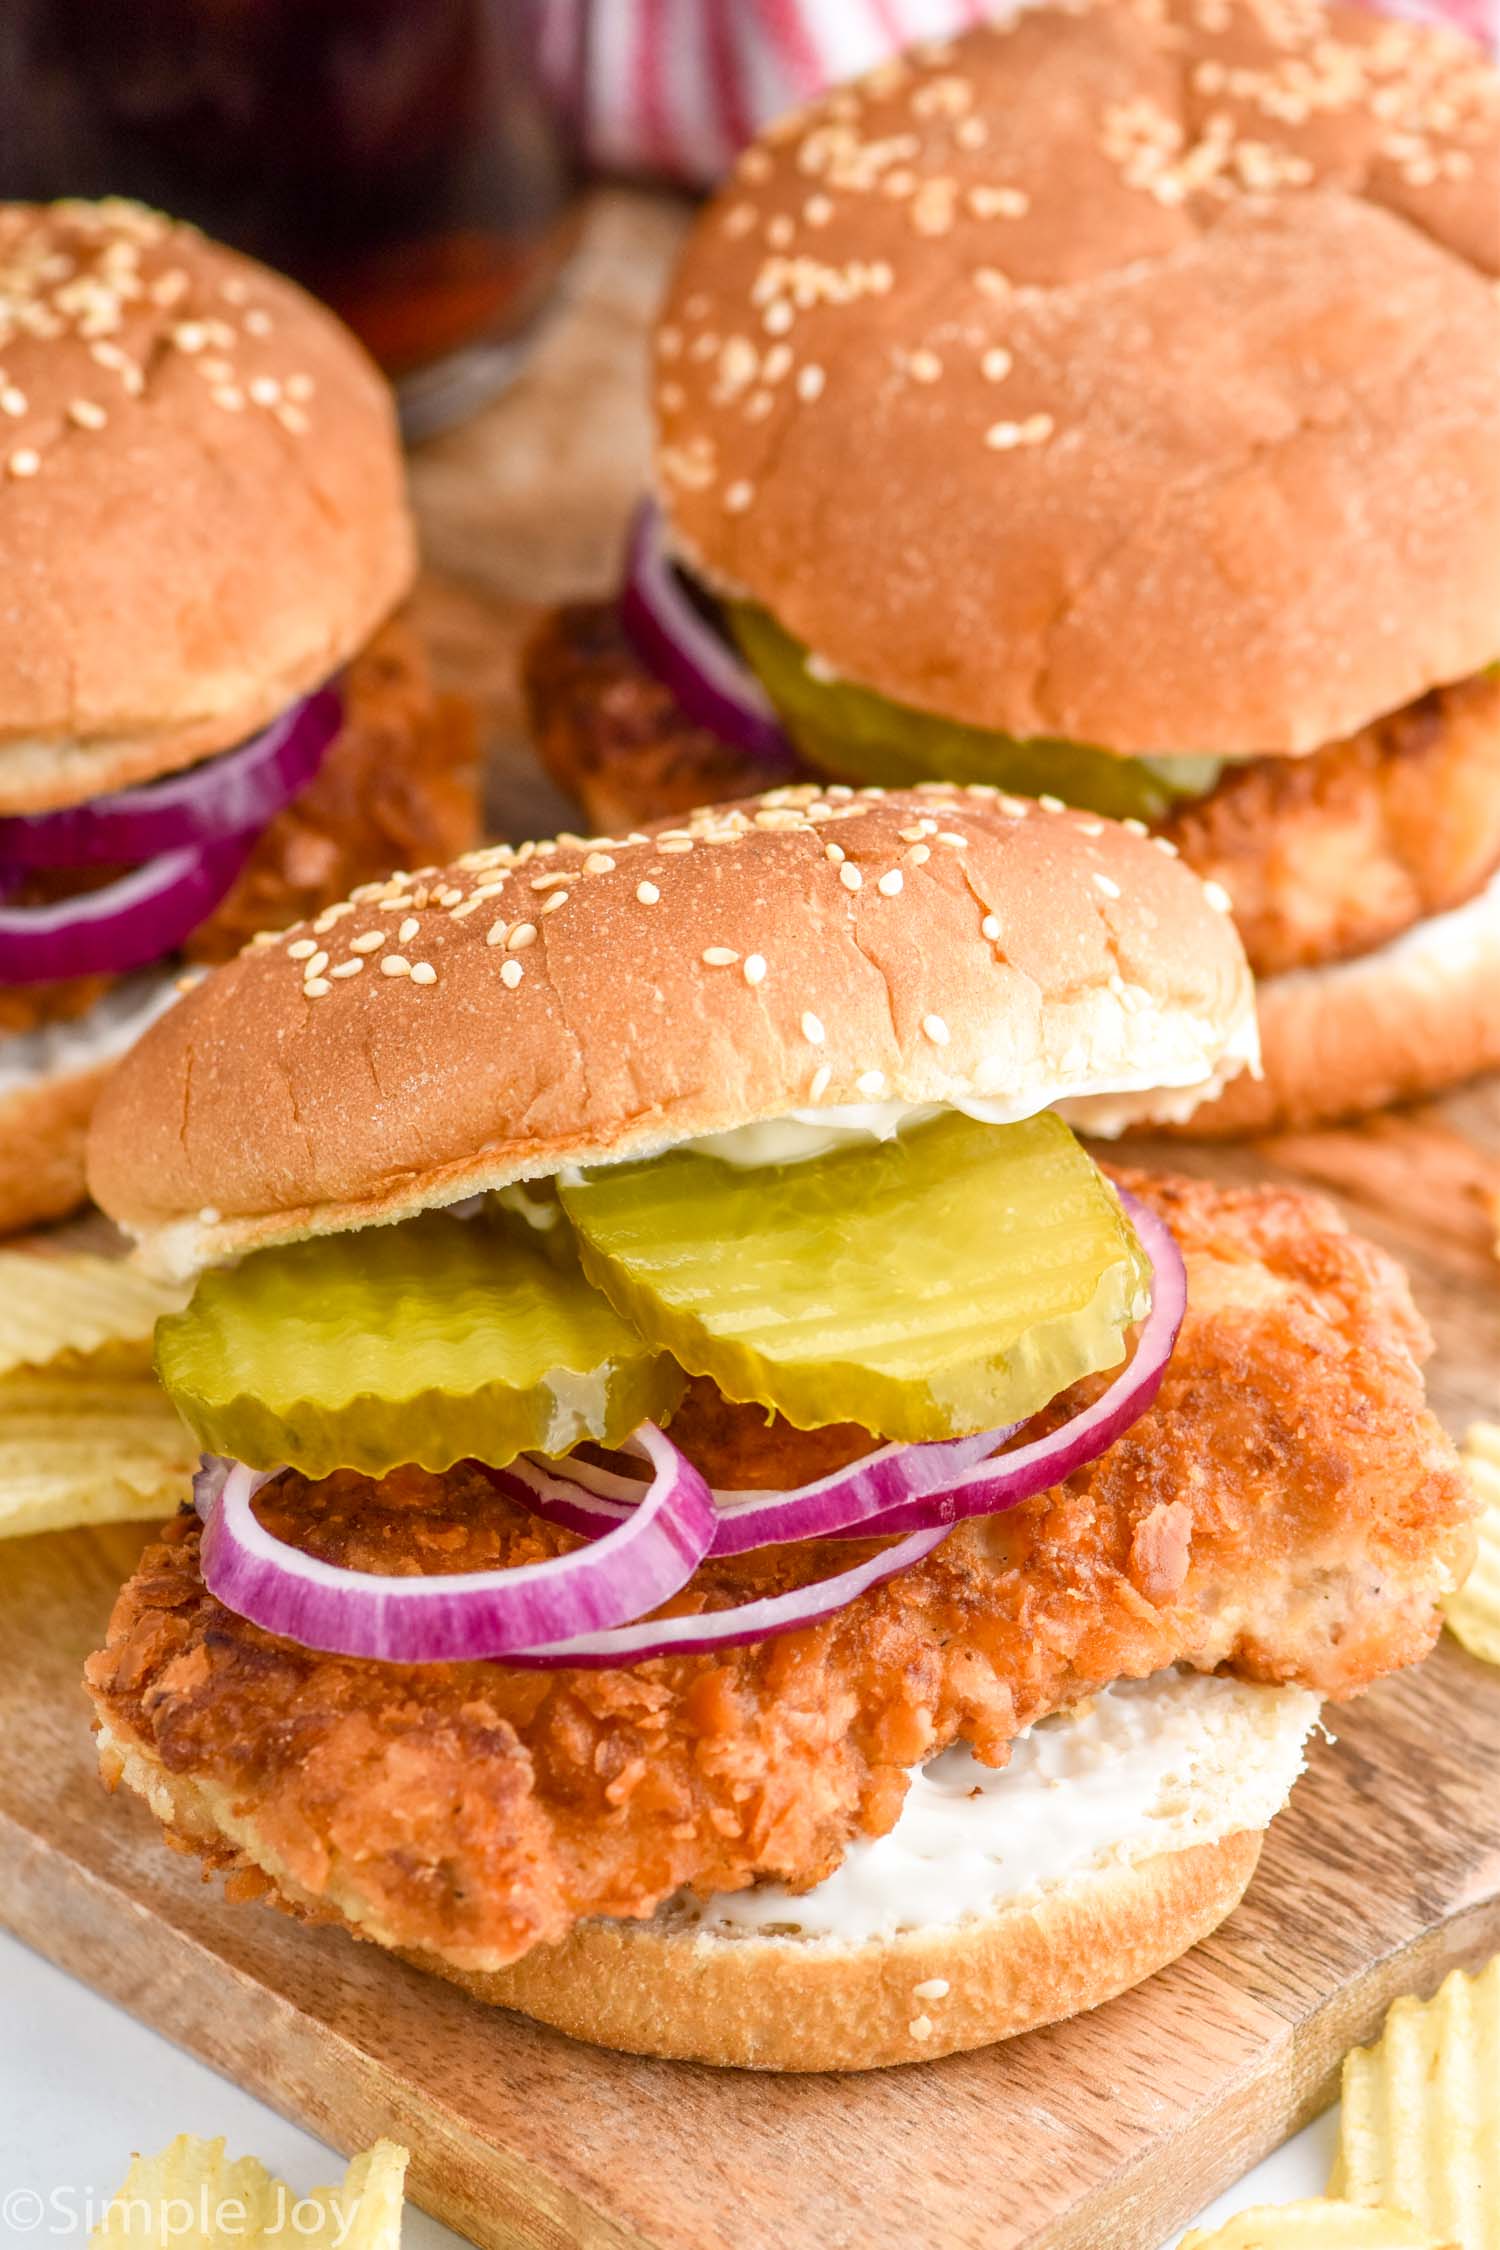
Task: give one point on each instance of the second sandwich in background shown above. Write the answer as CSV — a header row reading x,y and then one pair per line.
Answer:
x,y
941,1628
211,721
1107,403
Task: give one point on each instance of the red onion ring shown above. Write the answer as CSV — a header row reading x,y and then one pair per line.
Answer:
x,y
229,795
716,1629
462,1616
126,924
711,681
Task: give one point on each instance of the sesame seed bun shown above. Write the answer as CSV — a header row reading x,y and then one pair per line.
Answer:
x,y
1108,376
201,499
565,1003
686,1986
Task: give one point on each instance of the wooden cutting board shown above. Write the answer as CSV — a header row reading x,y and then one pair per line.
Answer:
x,y
1102,2134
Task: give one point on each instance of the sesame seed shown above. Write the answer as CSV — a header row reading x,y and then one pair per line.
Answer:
x,y
990,928
317,964
870,1083
511,974
920,2027
810,381
12,401
850,876
347,968
190,335
521,936
301,949
996,364
924,366
1135,827
739,496
777,362
1051,804
369,941
395,965
647,893
683,844
598,863
719,956
777,317
920,854
1002,437
265,390
891,883
834,853
299,387
1217,896
812,1029
24,462
423,972
1107,884
951,836
408,929
315,987
87,413
1165,844
936,1030
755,968
822,1078
558,898
257,321
931,1988
228,396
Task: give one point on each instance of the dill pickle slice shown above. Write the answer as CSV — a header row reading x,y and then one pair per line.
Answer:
x,y
428,1342
859,735
950,1280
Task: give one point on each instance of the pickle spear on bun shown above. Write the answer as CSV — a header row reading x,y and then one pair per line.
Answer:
x,y
210,720
722,1527
1108,403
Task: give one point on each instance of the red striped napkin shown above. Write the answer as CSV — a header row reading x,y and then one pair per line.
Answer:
x,y
678,86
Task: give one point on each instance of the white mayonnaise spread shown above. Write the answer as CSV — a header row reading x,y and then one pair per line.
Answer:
x,y
101,1034
1102,1106
1145,1766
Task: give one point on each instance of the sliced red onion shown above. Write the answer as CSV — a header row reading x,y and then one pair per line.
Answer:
x,y
705,672
853,1502
470,1615
233,794
125,924
716,1629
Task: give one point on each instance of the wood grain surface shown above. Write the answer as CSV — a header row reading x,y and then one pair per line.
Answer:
x,y
1101,2134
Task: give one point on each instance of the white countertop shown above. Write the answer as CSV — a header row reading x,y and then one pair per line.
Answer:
x,y
82,2085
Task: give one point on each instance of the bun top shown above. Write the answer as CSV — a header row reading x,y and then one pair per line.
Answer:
x,y
1127,372
570,1002
202,509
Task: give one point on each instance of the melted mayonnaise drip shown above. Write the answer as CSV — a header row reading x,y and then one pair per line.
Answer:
x,y
1145,1766
101,1034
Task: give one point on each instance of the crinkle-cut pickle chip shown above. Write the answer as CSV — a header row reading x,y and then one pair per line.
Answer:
x,y
861,735
429,1342
950,1280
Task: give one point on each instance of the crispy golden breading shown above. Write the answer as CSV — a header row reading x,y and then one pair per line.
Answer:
x,y
1330,856
399,788
1325,857
1287,1508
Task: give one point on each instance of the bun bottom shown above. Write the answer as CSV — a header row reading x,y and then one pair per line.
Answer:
x,y
1413,1018
43,1133
788,2003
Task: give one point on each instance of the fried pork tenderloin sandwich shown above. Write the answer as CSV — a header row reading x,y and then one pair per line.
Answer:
x,y
1107,404
211,721
722,1527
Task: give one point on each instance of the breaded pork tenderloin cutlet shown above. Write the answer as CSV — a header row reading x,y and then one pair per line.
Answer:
x,y
1287,1509
1325,856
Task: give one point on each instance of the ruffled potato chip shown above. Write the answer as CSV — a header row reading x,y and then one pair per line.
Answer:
x,y
1315,2225
1473,1613
192,2197
79,1449
1420,2124
67,1304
